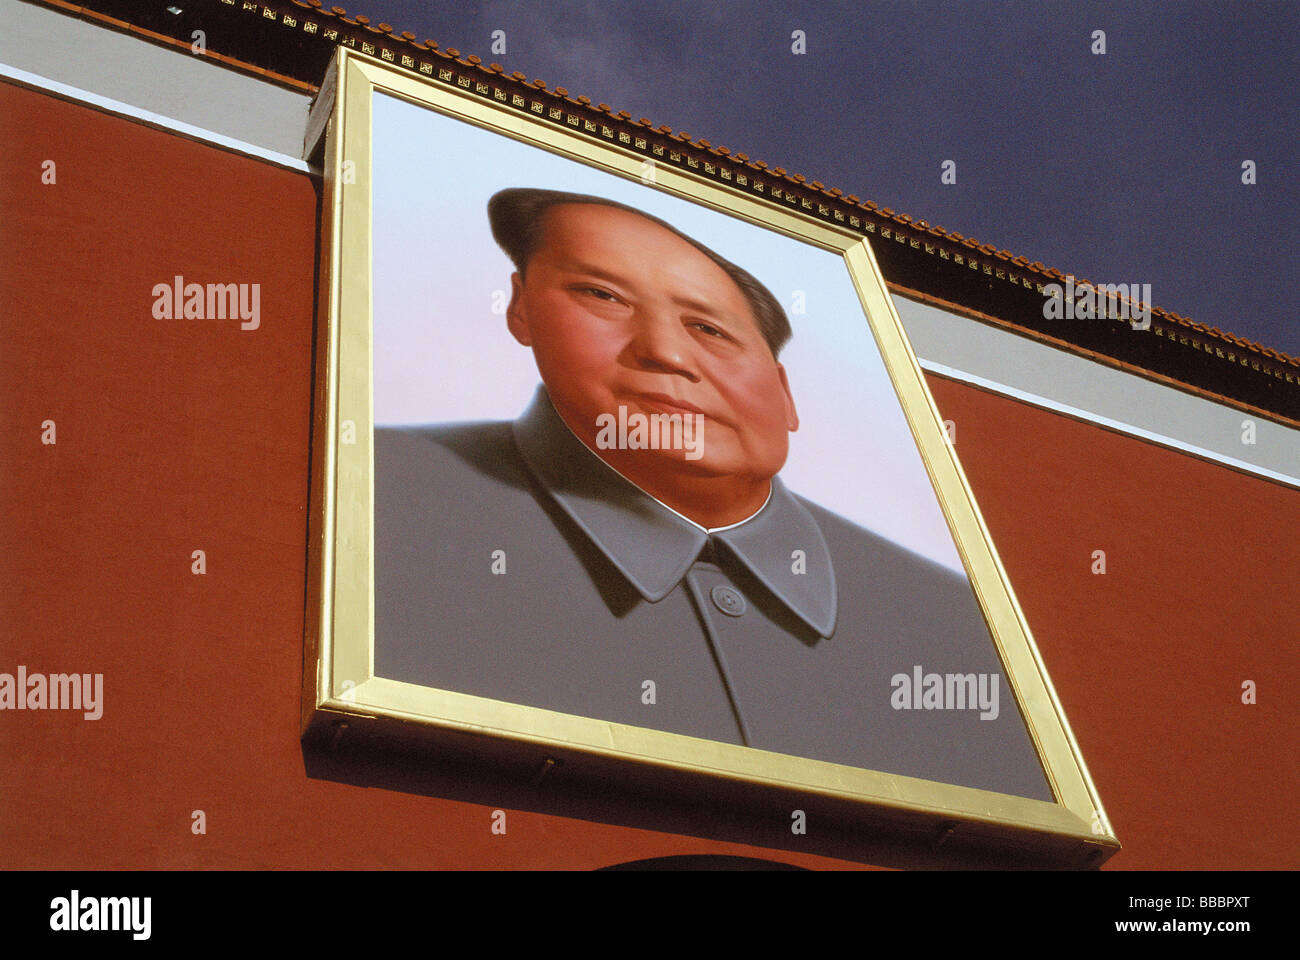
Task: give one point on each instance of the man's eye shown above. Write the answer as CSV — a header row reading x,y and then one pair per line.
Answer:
x,y
712,331
601,294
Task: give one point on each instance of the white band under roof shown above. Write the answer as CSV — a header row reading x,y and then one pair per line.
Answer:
x,y
1090,417
68,92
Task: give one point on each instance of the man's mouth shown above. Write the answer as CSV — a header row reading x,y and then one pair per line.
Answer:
x,y
662,403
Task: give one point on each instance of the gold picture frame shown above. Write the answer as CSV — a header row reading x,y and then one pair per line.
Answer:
x,y
340,686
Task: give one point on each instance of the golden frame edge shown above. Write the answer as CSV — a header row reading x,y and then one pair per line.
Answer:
x,y
338,674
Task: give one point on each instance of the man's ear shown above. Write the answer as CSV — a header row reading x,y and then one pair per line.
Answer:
x,y
516,319
791,414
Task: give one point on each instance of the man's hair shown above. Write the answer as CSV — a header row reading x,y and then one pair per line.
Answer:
x,y
518,216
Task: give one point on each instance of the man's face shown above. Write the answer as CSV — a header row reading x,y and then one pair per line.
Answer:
x,y
620,311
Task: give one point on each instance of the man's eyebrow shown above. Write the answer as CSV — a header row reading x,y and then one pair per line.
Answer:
x,y
699,306
590,269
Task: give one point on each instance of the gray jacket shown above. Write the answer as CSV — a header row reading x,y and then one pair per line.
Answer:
x,y
599,588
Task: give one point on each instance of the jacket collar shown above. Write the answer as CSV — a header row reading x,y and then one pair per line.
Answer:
x,y
653,546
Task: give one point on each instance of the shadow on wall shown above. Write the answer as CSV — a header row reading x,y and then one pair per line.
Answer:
x,y
546,786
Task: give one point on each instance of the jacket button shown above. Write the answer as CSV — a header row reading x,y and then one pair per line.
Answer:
x,y
727,600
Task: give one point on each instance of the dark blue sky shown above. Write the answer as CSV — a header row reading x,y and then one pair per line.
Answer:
x,y
1122,168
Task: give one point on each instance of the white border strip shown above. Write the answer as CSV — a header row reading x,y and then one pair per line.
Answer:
x,y
67,92
1118,425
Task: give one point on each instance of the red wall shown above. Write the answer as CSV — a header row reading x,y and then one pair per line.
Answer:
x,y
1148,660
181,435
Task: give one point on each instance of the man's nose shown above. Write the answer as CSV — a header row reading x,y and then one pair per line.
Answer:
x,y
663,344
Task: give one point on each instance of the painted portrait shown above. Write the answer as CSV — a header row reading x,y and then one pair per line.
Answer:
x,y
641,461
